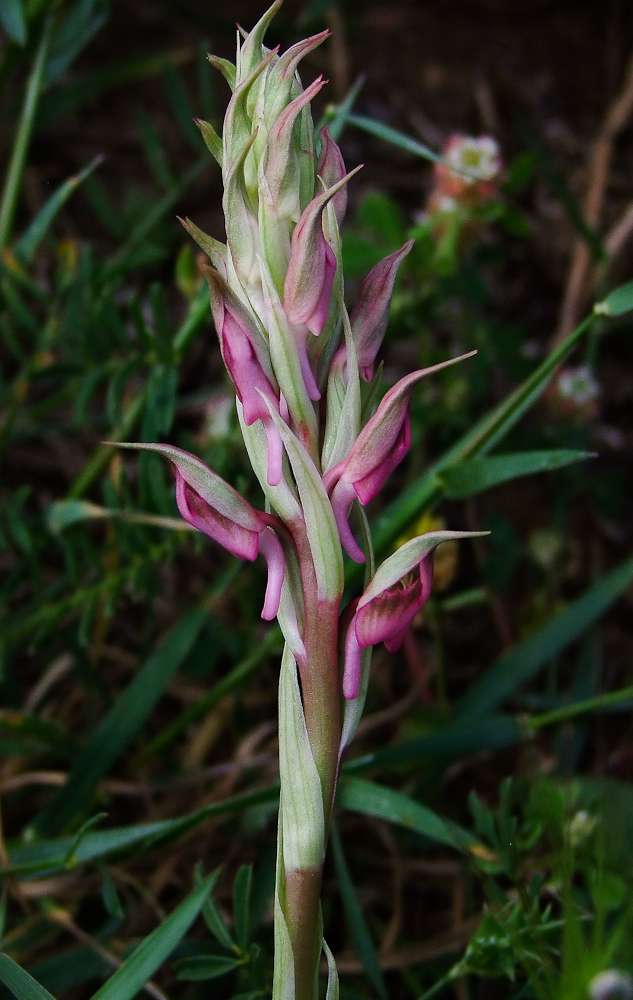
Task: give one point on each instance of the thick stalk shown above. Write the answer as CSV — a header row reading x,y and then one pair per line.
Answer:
x,y
303,896
320,684
320,689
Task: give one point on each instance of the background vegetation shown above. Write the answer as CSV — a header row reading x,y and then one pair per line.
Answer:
x,y
482,845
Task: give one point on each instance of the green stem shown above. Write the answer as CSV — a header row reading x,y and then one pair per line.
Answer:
x,y
23,137
594,704
320,689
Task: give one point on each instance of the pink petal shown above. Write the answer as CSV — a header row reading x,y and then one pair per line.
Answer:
x,y
270,548
342,498
352,667
373,482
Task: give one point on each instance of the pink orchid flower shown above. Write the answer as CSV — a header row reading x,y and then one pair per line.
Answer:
x,y
379,448
212,506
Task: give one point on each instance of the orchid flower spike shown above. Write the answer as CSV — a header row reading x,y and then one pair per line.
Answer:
x,y
212,506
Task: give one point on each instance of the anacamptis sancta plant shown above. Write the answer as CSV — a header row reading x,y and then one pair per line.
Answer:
x,y
303,372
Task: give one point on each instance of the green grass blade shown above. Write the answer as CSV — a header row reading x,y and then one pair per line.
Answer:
x,y
481,439
162,206
200,967
355,919
10,194
181,106
122,723
130,977
337,118
520,664
621,700
13,21
271,642
394,137
371,799
23,986
494,732
37,732
478,474
242,905
25,247
52,855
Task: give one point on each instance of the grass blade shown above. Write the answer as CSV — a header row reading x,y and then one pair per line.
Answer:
x,y
47,856
28,243
130,977
478,474
21,984
242,905
337,118
520,664
486,433
13,21
122,723
15,171
494,732
355,919
621,700
394,137
371,799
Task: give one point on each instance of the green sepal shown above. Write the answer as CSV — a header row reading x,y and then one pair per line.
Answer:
x,y
212,140
215,251
226,68
407,557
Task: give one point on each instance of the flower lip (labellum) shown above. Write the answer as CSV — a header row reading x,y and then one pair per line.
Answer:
x,y
212,506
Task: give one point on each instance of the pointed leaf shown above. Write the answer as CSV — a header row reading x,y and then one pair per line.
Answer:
x,y
477,474
199,967
520,664
27,244
212,140
355,919
130,977
21,984
377,800
242,905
